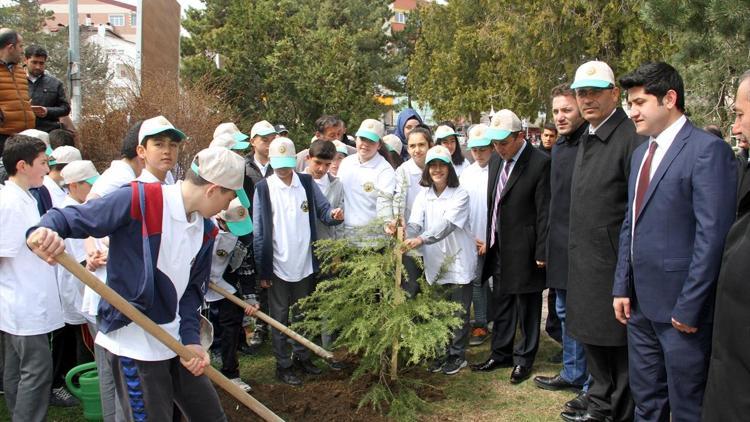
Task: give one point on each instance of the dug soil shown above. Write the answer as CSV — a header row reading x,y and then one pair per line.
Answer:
x,y
328,397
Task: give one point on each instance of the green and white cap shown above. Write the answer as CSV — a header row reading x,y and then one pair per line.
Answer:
x,y
341,147
371,129
237,218
594,74
65,154
503,123
393,143
43,136
156,126
443,132
79,171
282,153
231,131
262,128
477,136
222,167
438,152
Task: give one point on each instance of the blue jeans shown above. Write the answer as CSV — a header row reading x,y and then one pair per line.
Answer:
x,y
574,359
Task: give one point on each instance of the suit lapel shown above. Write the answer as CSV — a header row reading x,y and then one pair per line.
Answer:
x,y
677,145
517,170
493,171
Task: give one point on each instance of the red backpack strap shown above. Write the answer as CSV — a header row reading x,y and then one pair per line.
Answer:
x,y
151,196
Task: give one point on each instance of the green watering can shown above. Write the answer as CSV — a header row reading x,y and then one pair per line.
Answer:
x,y
83,382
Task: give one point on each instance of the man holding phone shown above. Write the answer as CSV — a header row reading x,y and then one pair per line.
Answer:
x,y
48,100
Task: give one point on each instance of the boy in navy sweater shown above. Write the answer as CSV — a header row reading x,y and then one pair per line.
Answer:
x,y
286,206
161,269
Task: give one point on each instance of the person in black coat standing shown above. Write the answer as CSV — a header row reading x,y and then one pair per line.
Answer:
x,y
518,203
47,93
599,200
726,397
571,127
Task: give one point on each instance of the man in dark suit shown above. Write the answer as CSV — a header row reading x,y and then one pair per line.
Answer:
x,y
681,203
518,201
572,127
598,201
726,396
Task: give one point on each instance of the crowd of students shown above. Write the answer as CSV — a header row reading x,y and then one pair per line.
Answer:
x,y
246,217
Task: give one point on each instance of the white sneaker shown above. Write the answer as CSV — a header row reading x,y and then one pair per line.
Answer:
x,y
242,384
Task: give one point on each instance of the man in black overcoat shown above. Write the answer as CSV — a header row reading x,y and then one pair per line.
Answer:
x,y
599,197
726,397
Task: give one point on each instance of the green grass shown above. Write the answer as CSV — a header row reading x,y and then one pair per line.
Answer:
x,y
469,396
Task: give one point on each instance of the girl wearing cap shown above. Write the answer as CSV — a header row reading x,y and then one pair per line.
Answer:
x,y
446,136
341,152
439,226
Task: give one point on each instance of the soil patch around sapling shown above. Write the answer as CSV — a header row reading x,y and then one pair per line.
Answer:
x,y
328,397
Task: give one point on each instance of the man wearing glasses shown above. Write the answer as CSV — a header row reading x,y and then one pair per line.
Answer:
x,y
599,199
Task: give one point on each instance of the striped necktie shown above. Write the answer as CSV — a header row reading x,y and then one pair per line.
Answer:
x,y
500,186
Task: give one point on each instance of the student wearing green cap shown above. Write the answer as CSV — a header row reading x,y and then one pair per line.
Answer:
x,y
158,144
439,225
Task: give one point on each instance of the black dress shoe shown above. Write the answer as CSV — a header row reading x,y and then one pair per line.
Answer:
x,y
287,376
307,366
579,417
490,365
555,383
519,374
579,404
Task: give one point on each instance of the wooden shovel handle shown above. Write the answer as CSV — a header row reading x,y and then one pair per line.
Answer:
x,y
325,354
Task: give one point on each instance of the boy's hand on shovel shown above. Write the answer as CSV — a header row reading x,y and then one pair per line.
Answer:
x,y
46,244
198,364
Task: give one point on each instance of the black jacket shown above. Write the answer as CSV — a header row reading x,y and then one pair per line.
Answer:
x,y
522,220
598,202
726,397
49,92
561,177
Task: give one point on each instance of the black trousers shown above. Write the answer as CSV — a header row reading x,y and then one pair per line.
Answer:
x,y
511,310
68,351
609,394
230,321
282,299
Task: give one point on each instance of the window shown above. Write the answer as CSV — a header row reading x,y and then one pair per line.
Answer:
x,y
117,20
133,19
400,17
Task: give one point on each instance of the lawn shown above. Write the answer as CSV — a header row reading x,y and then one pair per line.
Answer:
x,y
466,396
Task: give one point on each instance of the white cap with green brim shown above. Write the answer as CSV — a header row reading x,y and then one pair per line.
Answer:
x,y
43,136
79,171
156,126
237,218
371,130
222,167
594,74
341,147
438,152
65,154
477,136
503,123
282,154
443,132
227,140
262,128
393,143
240,139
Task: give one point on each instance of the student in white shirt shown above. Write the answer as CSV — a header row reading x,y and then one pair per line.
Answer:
x,y
439,225
228,255
446,135
408,176
286,206
369,182
474,180
30,305
59,158
149,377
68,347
158,144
